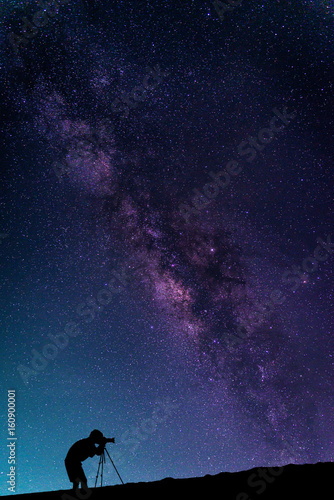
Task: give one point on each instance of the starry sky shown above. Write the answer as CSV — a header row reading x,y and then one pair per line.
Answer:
x,y
167,238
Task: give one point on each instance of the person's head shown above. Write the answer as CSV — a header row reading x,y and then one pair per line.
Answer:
x,y
96,436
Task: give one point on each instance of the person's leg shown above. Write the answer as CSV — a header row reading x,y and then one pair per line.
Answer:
x,y
76,483
71,472
75,473
83,480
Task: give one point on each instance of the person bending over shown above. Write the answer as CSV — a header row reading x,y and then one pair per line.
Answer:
x,y
79,452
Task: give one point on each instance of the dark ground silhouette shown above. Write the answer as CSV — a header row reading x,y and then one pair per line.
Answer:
x,y
293,482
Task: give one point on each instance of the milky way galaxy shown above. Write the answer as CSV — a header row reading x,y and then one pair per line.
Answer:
x,y
91,188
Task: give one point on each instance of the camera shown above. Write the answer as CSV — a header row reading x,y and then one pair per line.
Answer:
x,y
108,440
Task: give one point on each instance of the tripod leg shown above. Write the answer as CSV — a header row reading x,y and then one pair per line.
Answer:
x,y
114,466
98,470
102,472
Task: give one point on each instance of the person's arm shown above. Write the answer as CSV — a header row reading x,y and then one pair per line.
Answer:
x,y
93,450
99,449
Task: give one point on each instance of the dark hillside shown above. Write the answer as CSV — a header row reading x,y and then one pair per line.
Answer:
x,y
277,483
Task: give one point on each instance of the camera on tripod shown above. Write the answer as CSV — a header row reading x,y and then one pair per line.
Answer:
x,y
107,440
102,441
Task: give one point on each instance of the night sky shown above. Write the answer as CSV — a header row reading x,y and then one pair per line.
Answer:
x,y
166,236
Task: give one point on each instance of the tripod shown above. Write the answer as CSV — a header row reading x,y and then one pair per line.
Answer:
x,y
101,463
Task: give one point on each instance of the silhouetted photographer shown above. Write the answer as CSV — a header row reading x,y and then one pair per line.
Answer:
x,y
80,451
